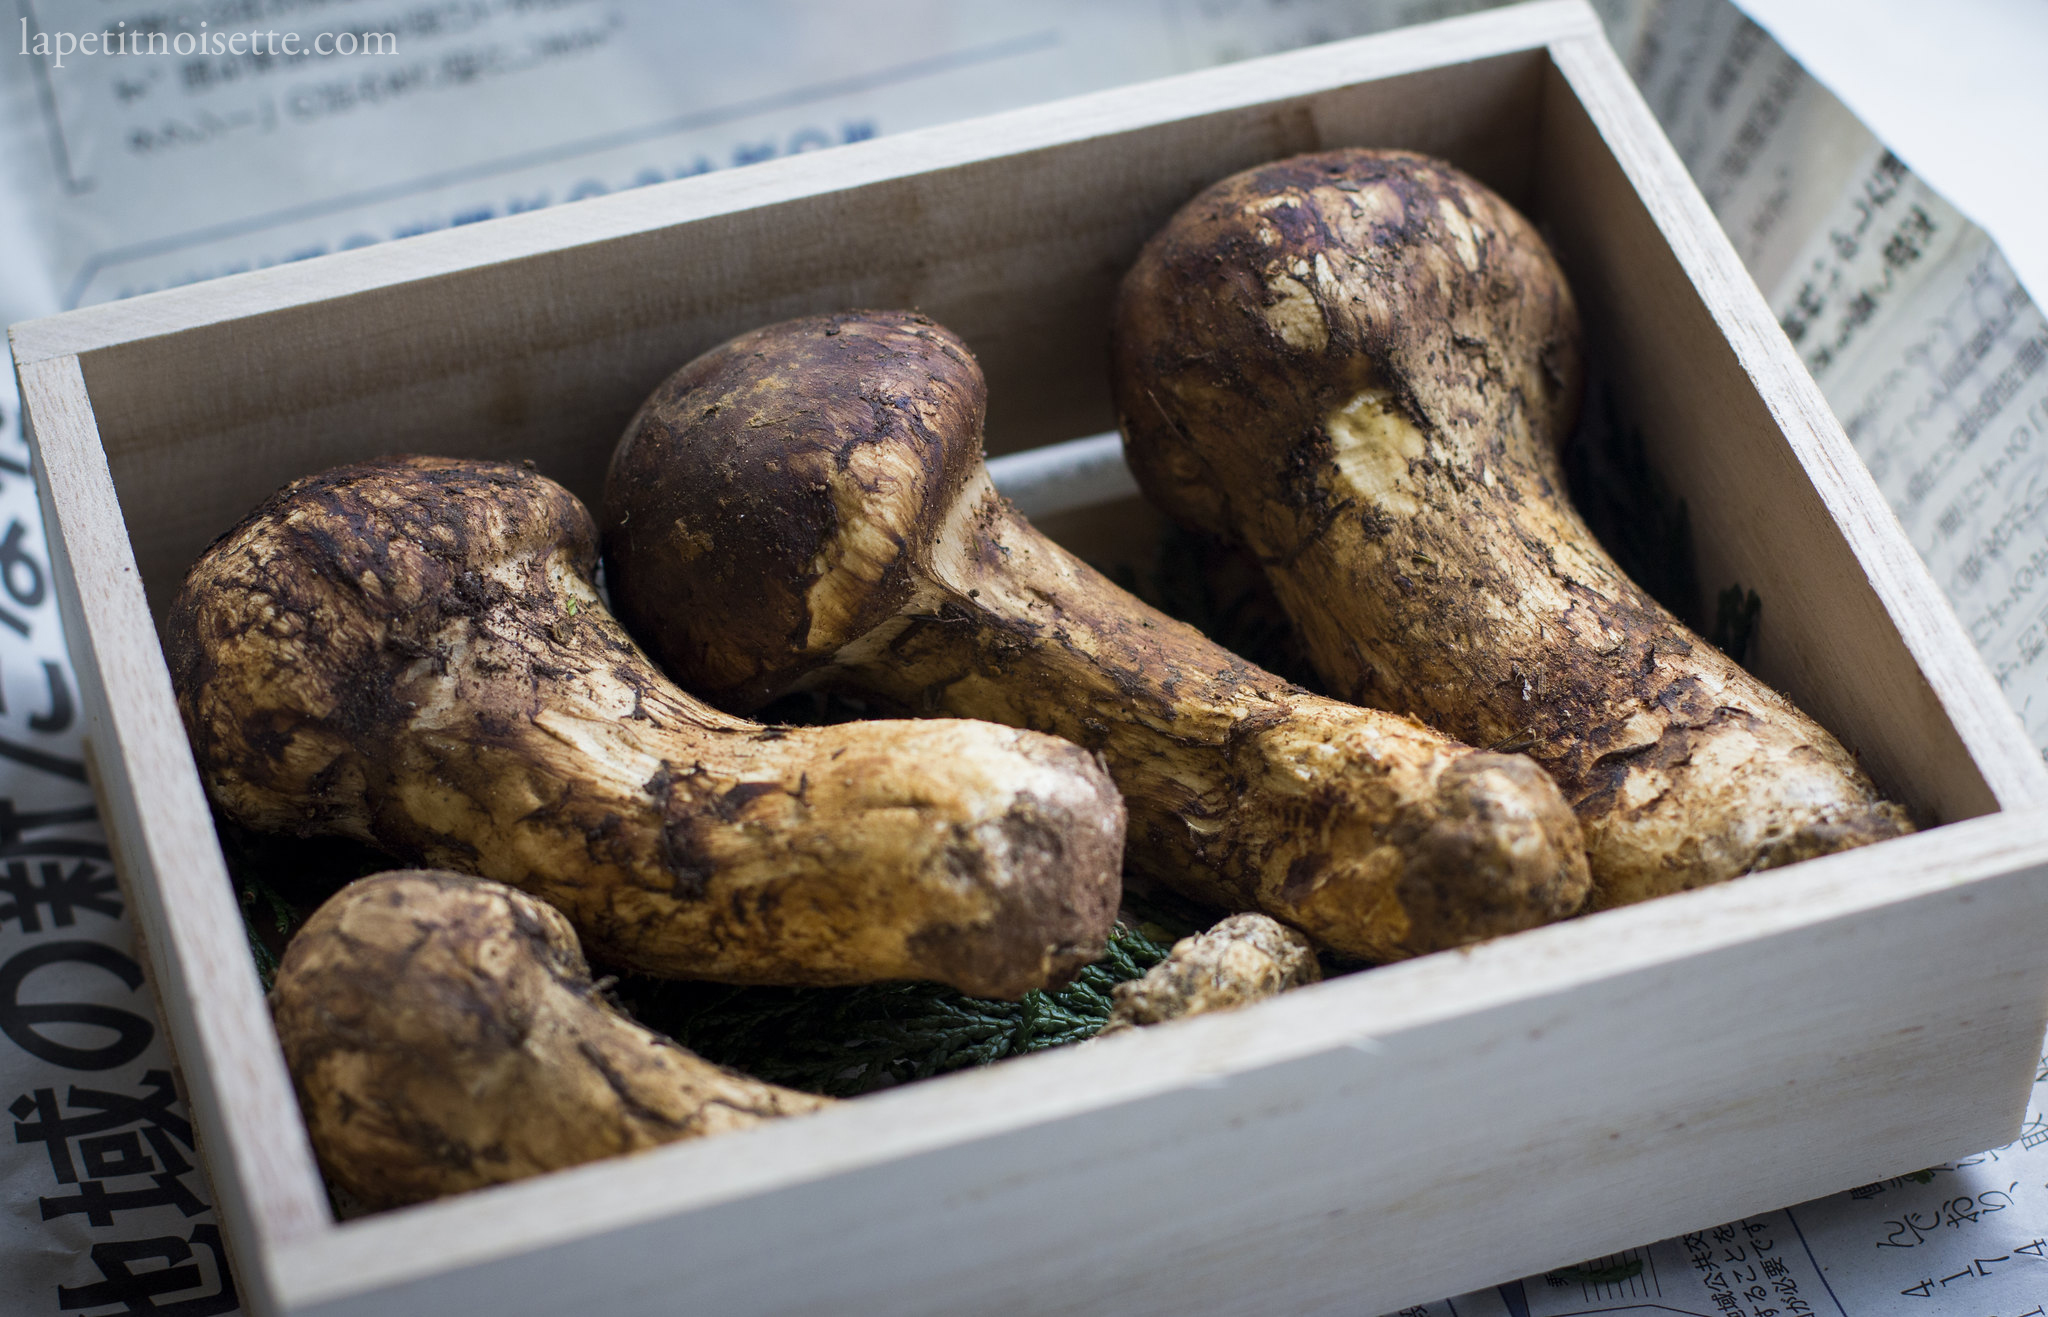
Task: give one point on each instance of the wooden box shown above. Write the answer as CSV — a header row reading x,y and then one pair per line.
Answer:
x,y
1382,1139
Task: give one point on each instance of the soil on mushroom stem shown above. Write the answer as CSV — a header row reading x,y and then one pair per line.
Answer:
x,y
1220,590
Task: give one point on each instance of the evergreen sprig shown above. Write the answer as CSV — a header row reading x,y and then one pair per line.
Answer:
x,y
846,1041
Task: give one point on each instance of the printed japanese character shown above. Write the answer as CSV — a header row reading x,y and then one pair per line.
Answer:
x,y
60,713
23,1022
20,573
108,1149
139,1291
85,886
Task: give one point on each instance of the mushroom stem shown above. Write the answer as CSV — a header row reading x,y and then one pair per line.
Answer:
x,y
1241,960
1378,835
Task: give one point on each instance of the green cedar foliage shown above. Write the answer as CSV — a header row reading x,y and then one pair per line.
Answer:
x,y
847,1041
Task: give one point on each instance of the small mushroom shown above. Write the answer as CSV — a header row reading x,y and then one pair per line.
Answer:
x,y
1240,960
806,506
410,652
444,1034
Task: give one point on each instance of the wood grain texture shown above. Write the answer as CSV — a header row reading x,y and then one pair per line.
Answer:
x,y
169,860
1364,1127
1384,1139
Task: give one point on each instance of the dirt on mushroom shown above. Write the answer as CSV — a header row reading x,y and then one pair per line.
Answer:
x,y
444,1034
1361,365
410,652
1240,960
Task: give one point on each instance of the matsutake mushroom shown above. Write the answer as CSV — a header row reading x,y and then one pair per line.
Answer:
x,y
806,506
1362,365
410,652
444,1034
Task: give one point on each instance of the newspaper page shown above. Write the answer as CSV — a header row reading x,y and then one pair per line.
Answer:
x,y
103,1205
127,174
1917,330
1933,356
489,107
1955,90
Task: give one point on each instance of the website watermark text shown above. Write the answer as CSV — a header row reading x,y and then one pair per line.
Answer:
x,y
123,40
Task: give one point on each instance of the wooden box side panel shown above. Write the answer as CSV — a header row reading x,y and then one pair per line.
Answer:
x,y
547,357
1852,627
267,1189
1332,1151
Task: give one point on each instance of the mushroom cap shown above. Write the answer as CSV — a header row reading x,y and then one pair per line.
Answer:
x,y
781,494
1278,293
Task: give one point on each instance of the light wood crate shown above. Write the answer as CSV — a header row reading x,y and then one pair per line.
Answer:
x,y
1378,1140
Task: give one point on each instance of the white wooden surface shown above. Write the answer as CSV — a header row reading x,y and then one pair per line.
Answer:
x,y
169,861
1369,1142
1552,1095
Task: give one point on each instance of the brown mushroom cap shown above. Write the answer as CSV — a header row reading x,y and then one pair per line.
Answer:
x,y
444,1034
796,510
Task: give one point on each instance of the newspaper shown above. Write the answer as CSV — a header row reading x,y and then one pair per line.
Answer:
x,y
122,175
1916,328
1951,89
1936,361
497,106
